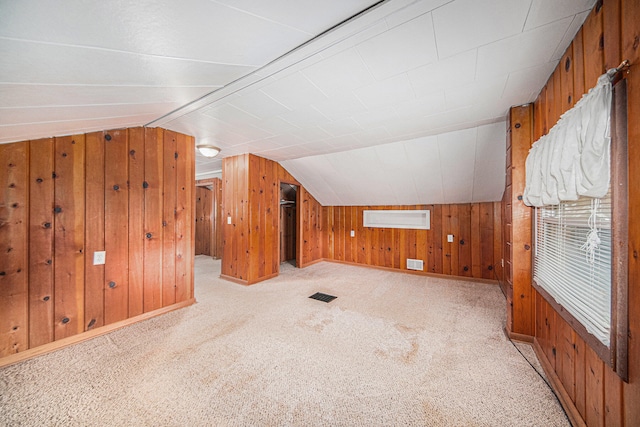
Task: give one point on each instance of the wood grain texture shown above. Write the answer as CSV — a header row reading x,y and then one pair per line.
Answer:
x,y
137,188
521,135
185,200
14,249
390,248
116,231
41,242
94,230
157,218
69,211
593,47
610,34
71,197
631,48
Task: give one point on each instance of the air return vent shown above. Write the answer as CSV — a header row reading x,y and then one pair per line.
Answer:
x,y
415,264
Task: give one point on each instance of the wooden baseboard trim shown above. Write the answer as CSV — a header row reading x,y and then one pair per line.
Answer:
x,y
248,282
84,336
514,336
568,405
416,273
234,280
315,261
262,279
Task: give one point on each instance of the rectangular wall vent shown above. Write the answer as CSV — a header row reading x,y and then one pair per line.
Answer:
x,y
415,264
412,219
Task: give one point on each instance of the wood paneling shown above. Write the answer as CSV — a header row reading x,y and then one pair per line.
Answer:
x,y
158,163
598,395
94,283
518,219
137,188
204,217
184,227
390,248
69,236
250,197
14,248
630,33
41,242
116,226
65,198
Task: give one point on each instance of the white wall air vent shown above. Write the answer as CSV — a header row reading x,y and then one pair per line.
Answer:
x,y
415,264
415,219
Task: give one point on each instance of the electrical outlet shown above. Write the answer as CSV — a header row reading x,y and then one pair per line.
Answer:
x,y
353,233
450,238
228,220
99,257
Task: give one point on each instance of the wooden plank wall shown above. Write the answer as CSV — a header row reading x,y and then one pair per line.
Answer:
x,y
204,221
311,217
250,198
64,198
215,225
518,226
475,252
594,393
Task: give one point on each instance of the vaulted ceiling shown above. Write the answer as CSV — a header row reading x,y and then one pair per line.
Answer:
x,y
364,101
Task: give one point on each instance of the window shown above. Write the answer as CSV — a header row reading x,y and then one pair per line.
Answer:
x,y
581,254
572,260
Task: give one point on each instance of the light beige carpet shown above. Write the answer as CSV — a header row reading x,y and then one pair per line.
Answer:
x,y
392,350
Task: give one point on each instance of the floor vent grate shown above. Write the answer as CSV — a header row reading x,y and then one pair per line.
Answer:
x,y
322,297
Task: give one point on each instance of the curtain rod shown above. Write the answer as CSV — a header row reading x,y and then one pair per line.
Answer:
x,y
624,65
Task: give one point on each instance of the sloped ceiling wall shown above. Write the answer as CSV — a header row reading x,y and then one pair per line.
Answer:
x,y
293,81
453,167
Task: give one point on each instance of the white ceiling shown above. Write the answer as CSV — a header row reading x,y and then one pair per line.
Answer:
x,y
404,104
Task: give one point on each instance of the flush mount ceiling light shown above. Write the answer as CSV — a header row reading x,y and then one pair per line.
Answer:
x,y
208,150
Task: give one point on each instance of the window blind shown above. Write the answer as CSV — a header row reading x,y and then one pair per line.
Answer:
x,y
577,278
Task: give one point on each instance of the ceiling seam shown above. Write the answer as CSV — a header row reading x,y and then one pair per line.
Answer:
x,y
253,73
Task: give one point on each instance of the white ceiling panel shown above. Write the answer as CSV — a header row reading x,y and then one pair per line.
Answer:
x,y
258,104
457,155
489,171
466,24
521,51
309,16
387,54
546,11
386,92
455,71
342,72
13,116
21,132
569,35
39,95
340,106
294,91
174,29
408,98
41,63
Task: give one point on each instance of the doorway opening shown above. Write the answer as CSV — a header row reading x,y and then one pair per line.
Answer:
x,y
288,223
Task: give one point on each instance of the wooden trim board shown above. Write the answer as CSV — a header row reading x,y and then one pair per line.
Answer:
x,y
90,334
570,409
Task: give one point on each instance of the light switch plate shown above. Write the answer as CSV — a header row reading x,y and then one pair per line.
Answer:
x,y
450,238
99,257
353,233
228,220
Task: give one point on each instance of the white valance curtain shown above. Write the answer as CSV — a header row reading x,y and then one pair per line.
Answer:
x,y
572,160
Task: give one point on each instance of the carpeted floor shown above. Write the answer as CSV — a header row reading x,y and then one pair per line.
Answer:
x,y
392,350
